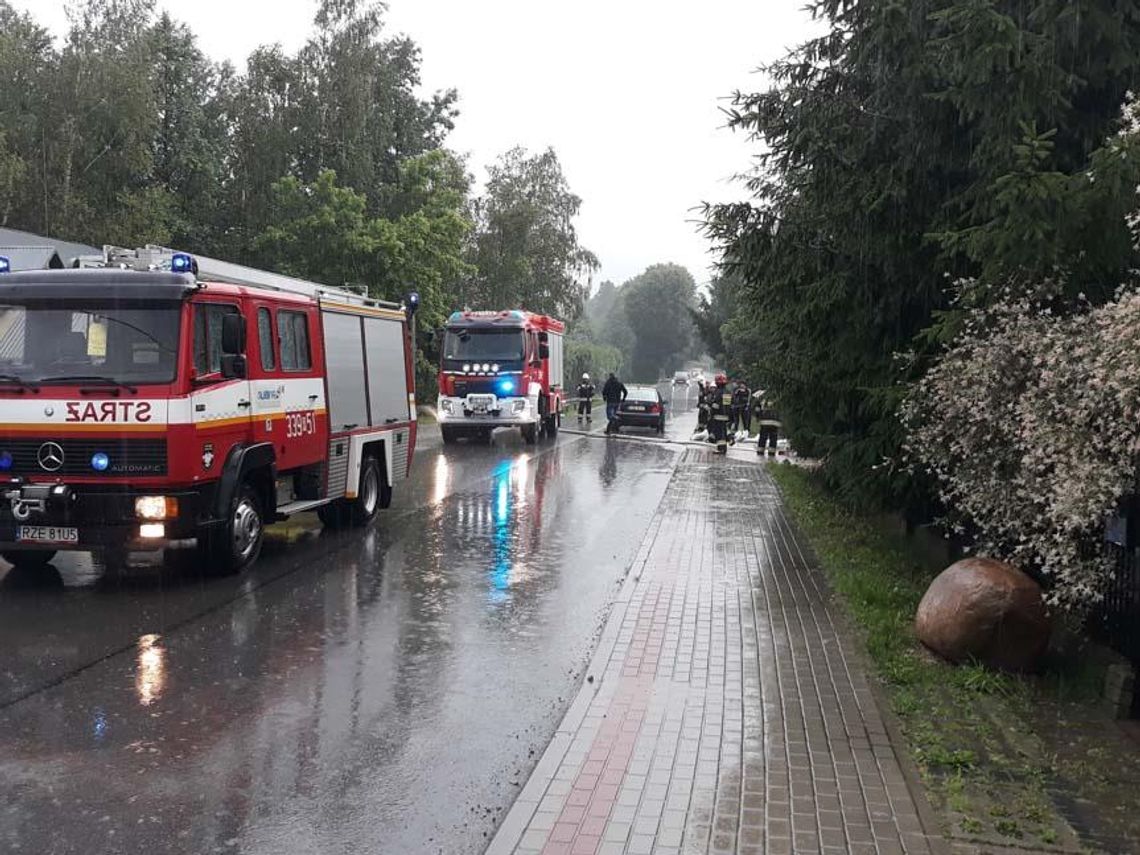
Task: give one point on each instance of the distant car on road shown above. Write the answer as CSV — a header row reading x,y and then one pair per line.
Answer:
x,y
643,407
681,378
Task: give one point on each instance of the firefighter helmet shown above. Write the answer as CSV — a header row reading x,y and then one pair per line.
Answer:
x,y
585,376
721,380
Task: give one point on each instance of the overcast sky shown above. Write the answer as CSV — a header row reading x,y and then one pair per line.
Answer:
x,y
627,92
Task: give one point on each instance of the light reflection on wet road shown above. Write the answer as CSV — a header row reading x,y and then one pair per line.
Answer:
x,y
383,691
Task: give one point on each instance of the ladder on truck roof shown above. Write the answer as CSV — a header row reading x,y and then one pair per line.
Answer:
x,y
153,257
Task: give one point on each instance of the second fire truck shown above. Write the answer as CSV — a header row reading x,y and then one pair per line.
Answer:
x,y
500,369
160,398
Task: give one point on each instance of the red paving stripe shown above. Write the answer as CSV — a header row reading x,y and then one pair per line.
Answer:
x,y
597,784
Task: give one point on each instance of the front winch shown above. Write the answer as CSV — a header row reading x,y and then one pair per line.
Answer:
x,y
28,499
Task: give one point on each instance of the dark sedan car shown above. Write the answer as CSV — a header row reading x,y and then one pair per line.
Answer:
x,y
643,407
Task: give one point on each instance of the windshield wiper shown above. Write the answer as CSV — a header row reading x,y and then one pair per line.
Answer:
x,y
90,378
18,381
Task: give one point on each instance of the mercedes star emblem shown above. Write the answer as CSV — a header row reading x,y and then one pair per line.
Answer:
x,y
50,456
49,411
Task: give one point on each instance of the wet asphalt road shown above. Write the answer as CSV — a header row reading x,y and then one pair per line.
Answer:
x,y
385,691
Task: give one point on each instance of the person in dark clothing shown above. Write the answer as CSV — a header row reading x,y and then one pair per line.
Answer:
x,y
720,413
613,393
702,407
768,423
741,411
586,392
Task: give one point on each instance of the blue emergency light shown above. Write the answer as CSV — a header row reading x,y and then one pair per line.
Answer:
x,y
413,302
5,264
5,461
506,386
182,262
100,461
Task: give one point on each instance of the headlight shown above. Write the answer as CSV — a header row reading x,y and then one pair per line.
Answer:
x,y
156,507
519,406
446,406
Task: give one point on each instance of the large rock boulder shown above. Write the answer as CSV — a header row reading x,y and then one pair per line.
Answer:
x,y
987,610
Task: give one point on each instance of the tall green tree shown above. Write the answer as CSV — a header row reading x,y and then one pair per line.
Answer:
x,y
323,231
347,101
660,300
190,142
525,246
911,145
27,75
712,316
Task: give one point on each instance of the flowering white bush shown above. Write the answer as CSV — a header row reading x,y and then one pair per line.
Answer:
x,y
1031,426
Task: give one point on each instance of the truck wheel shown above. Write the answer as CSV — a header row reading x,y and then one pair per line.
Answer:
x,y
552,425
448,433
530,434
28,557
358,512
237,543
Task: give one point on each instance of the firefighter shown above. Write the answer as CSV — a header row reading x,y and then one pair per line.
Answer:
x,y
702,407
586,391
768,423
741,408
613,393
720,413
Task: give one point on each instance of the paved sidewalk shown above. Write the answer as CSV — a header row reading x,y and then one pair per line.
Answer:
x,y
723,714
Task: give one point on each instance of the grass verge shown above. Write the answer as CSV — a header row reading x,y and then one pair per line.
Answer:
x,y
985,771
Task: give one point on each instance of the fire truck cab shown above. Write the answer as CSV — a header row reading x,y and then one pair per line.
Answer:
x,y
153,398
500,369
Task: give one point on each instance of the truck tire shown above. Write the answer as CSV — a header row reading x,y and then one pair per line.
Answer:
x,y
552,425
28,557
237,542
530,433
449,434
358,512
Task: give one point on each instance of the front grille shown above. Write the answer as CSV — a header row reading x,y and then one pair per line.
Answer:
x,y
477,386
125,456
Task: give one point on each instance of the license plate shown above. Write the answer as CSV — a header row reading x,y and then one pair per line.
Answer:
x,y
47,534
482,402
636,409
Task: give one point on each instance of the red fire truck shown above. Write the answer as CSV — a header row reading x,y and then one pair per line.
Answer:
x,y
500,369
155,397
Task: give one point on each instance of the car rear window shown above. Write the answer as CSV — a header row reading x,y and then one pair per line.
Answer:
x,y
642,394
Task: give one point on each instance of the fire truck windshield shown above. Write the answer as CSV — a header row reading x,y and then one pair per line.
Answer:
x,y
127,344
473,345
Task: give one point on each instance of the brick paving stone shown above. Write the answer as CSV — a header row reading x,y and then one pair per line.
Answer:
x,y
726,714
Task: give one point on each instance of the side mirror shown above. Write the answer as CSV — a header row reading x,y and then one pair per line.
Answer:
x,y
233,366
233,334
544,351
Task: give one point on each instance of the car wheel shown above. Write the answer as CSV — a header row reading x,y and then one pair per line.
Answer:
x,y
28,557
